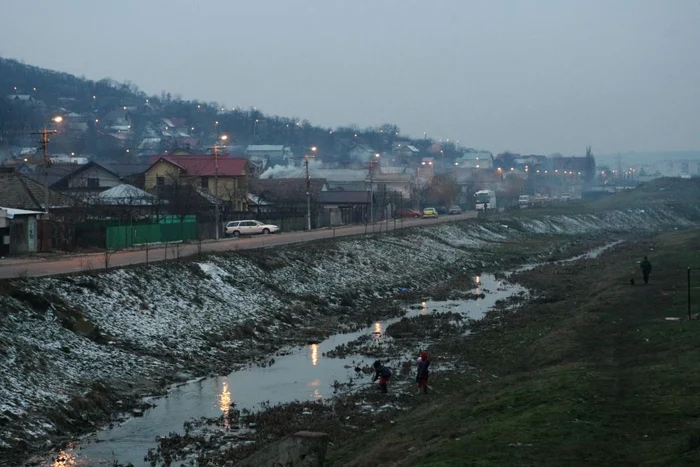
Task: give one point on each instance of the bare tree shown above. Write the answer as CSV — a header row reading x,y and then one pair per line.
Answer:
x,y
444,189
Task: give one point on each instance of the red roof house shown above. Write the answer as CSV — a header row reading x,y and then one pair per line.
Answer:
x,y
201,172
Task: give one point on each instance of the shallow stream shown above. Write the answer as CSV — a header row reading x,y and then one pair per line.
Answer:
x,y
302,374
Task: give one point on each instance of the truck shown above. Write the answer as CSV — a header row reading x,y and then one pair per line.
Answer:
x,y
485,199
525,201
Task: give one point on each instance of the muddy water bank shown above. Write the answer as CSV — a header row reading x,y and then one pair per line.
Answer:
x,y
308,378
358,408
339,311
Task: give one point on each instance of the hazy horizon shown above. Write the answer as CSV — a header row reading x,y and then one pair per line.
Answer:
x,y
531,77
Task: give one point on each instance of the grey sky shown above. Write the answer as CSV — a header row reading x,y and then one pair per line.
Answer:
x,y
524,75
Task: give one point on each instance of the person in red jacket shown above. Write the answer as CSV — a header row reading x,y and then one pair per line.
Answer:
x,y
423,372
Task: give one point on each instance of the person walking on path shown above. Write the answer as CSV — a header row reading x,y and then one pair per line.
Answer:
x,y
423,372
646,269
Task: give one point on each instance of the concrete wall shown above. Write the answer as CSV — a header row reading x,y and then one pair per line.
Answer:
x,y
302,449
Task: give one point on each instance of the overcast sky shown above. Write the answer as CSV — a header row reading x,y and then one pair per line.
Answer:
x,y
532,76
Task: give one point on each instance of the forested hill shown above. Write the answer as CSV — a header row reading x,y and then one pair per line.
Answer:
x,y
115,117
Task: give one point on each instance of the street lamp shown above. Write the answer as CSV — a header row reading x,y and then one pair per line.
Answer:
x,y
255,124
216,149
307,157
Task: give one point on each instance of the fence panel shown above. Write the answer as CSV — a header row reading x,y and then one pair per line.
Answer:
x,y
125,236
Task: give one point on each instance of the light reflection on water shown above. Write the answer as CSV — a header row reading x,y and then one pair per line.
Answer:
x,y
424,308
225,402
378,331
316,384
65,459
304,374
314,354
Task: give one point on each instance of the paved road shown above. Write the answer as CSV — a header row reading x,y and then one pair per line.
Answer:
x,y
34,267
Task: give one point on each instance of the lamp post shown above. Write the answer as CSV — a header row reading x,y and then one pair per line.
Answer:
x,y
255,124
307,157
216,182
47,160
372,162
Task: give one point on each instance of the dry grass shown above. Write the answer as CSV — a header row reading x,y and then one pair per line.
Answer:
x,y
589,374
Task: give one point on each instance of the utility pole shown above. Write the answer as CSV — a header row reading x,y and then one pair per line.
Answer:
x,y
371,192
372,162
308,188
46,162
216,183
308,194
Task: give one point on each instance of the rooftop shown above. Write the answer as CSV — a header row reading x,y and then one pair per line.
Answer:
x,y
205,165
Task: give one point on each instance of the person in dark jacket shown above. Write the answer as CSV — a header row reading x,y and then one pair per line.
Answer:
x,y
423,372
383,374
646,269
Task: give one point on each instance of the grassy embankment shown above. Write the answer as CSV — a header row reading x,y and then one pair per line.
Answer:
x,y
589,373
678,195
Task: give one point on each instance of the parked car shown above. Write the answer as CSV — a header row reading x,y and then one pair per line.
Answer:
x,y
238,228
565,197
441,210
407,213
430,212
454,210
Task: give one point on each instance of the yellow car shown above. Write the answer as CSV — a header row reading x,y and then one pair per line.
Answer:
x,y
429,212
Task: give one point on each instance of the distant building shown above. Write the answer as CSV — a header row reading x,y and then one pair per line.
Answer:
x,y
361,153
20,98
393,179
582,167
475,160
287,195
275,152
18,231
66,159
405,150
345,207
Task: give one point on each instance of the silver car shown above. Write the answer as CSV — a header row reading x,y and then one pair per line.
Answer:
x,y
238,228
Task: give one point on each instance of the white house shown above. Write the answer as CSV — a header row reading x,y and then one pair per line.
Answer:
x,y
475,160
361,153
396,179
267,151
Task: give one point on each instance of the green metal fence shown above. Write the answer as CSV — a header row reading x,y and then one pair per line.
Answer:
x,y
167,229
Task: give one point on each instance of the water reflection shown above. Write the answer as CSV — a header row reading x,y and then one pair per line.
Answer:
x,y
377,331
315,383
65,459
287,381
314,354
225,402
424,308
